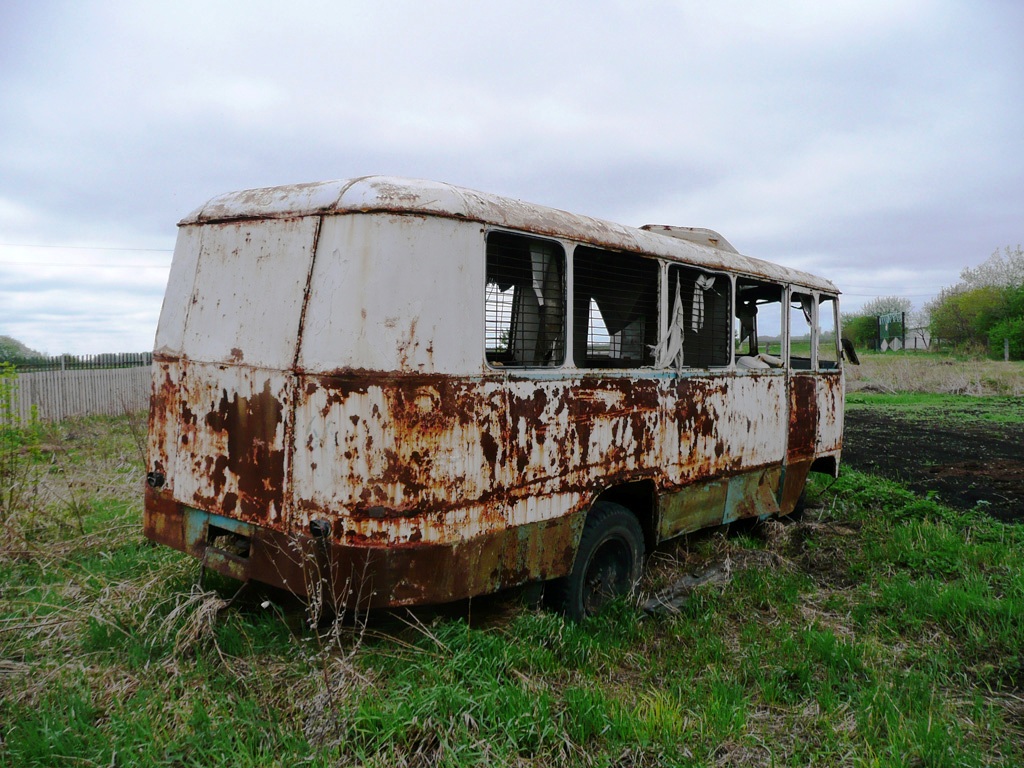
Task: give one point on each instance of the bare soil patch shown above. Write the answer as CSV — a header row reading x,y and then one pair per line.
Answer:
x,y
965,466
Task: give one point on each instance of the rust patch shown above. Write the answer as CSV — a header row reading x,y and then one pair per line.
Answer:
x,y
490,448
793,485
250,424
803,418
462,473
365,574
162,520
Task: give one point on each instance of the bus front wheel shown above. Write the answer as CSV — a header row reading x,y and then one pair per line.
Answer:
x,y
608,563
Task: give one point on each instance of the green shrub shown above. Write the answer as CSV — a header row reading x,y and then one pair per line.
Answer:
x,y
1013,329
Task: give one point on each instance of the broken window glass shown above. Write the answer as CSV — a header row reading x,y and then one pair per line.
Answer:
x,y
615,309
524,301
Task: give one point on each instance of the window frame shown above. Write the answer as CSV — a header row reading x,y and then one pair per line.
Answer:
x,y
783,320
565,295
656,299
666,308
820,298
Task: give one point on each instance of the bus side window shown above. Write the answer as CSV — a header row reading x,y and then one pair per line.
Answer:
x,y
698,320
828,343
801,314
615,309
524,306
758,324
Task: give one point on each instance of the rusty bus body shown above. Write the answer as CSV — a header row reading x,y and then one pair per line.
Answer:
x,y
405,392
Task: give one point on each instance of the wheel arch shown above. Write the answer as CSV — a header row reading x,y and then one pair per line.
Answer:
x,y
639,497
826,465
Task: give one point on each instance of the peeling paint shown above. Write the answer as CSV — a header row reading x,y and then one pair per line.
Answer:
x,y
349,433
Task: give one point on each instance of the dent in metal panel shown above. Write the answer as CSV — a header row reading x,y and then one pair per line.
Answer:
x,y
272,202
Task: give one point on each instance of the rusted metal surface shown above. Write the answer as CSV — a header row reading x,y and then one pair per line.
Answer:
x,y
753,494
699,505
794,478
436,463
831,402
377,194
364,576
803,417
323,416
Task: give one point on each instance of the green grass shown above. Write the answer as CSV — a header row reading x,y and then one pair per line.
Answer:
x,y
942,407
882,629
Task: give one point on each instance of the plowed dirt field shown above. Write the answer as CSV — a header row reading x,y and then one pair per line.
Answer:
x,y
966,457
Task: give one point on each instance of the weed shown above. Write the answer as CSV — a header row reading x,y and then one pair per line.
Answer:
x,y
19,447
919,372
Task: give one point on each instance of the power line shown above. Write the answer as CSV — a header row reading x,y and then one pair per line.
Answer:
x,y
79,264
84,247
897,295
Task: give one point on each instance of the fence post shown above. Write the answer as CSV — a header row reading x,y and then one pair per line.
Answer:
x,y
1006,350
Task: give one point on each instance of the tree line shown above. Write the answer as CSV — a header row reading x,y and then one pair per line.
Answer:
x,y
980,312
986,307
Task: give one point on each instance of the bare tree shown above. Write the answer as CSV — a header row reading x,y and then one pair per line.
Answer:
x,y
1000,270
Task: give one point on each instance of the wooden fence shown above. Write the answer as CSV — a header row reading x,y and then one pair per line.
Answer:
x,y
58,394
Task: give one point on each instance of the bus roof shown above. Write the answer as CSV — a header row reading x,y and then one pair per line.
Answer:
x,y
389,194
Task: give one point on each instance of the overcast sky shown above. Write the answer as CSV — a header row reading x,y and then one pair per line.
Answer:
x,y
877,143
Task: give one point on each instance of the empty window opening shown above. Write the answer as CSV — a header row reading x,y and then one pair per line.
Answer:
x,y
615,315
801,320
697,334
524,301
758,324
828,339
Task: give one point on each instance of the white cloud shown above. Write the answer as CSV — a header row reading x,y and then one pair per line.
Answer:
x,y
839,137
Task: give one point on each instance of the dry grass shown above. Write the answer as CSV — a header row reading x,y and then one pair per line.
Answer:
x,y
920,373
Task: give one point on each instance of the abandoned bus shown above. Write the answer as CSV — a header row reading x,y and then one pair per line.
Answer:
x,y
391,392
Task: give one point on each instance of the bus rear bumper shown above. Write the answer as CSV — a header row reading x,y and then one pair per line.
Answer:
x,y
364,576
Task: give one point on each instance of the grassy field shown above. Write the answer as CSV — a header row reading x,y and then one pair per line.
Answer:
x,y
879,629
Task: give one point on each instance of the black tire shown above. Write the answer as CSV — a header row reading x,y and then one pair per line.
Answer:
x,y
608,563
